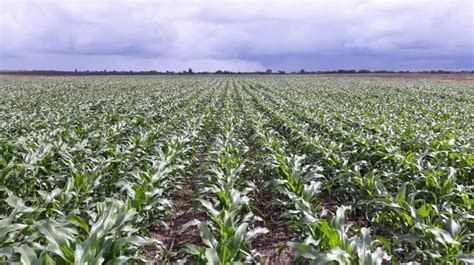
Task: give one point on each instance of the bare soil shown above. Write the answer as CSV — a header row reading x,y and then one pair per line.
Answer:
x,y
186,209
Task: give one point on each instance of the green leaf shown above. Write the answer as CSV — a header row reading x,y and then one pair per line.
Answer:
x,y
79,222
424,210
185,226
442,236
135,240
206,235
385,243
27,254
212,211
363,248
67,252
303,250
212,257
255,232
14,201
237,239
453,227
195,250
46,259
10,228
469,259
402,194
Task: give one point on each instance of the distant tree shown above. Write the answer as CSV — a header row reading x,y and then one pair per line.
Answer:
x,y
302,71
281,72
268,71
190,71
346,71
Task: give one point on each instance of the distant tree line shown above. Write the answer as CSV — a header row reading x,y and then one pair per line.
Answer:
x,y
220,72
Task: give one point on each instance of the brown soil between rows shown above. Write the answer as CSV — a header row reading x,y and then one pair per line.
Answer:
x,y
185,210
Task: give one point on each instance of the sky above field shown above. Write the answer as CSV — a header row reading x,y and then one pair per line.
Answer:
x,y
237,35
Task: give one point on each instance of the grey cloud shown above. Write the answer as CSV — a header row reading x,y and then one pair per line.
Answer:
x,y
214,35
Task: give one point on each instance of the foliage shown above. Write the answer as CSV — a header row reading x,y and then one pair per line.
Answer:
x,y
361,171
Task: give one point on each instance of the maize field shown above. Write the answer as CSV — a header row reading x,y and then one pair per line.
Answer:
x,y
245,169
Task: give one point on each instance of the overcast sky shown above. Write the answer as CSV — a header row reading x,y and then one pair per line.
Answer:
x,y
237,35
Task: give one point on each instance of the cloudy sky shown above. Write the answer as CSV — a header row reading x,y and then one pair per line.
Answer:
x,y
237,35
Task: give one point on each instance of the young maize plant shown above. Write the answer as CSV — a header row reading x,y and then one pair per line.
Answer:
x,y
332,242
109,237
